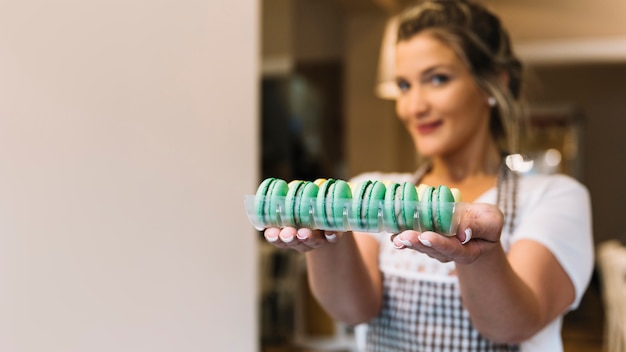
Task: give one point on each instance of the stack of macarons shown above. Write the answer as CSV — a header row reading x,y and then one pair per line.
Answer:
x,y
369,206
316,204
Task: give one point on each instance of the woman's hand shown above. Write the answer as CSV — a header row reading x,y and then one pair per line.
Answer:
x,y
301,240
478,233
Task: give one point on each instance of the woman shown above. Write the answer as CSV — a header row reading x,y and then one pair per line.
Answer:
x,y
523,253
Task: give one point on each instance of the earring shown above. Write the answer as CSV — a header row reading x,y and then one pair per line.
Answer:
x,y
492,101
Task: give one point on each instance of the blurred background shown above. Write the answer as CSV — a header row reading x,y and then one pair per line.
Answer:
x,y
323,72
130,131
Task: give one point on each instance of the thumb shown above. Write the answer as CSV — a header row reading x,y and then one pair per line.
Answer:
x,y
480,221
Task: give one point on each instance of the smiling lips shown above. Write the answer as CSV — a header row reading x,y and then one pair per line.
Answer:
x,y
426,128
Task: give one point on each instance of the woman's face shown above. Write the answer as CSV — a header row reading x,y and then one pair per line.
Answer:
x,y
440,103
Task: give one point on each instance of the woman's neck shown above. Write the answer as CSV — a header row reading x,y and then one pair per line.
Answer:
x,y
472,172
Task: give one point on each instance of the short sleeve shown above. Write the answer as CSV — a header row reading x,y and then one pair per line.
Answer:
x,y
555,211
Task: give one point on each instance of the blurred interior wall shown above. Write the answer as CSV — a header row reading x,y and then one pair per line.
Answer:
x,y
375,138
128,137
598,91
299,31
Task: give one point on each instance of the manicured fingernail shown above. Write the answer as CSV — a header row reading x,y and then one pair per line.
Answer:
x,y
405,243
301,236
331,236
468,235
271,239
287,239
424,241
397,247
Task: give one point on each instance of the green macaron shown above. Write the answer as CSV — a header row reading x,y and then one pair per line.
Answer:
x,y
426,209
391,208
367,202
409,199
443,209
332,199
299,202
436,209
260,199
399,207
269,201
291,202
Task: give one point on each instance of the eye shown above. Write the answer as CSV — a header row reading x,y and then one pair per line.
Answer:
x,y
403,85
438,79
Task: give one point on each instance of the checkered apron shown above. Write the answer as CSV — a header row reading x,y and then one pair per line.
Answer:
x,y
422,309
425,316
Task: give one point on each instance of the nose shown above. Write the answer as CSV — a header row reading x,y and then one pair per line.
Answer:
x,y
413,103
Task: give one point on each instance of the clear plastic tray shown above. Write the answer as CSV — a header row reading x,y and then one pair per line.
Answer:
x,y
276,215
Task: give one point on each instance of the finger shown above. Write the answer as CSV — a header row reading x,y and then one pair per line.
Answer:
x,y
288,235
396,243
480,221
311,238
408,239
271,234
468,235
301,240
447,249
298,239
332,236
436,246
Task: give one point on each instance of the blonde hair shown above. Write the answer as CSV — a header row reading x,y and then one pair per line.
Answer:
x,y
479,39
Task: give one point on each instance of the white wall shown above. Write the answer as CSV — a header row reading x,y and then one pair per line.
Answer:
x,y
128,136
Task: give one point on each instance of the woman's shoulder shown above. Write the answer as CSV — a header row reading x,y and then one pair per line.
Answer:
x,y
545,186
382,176
556,180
